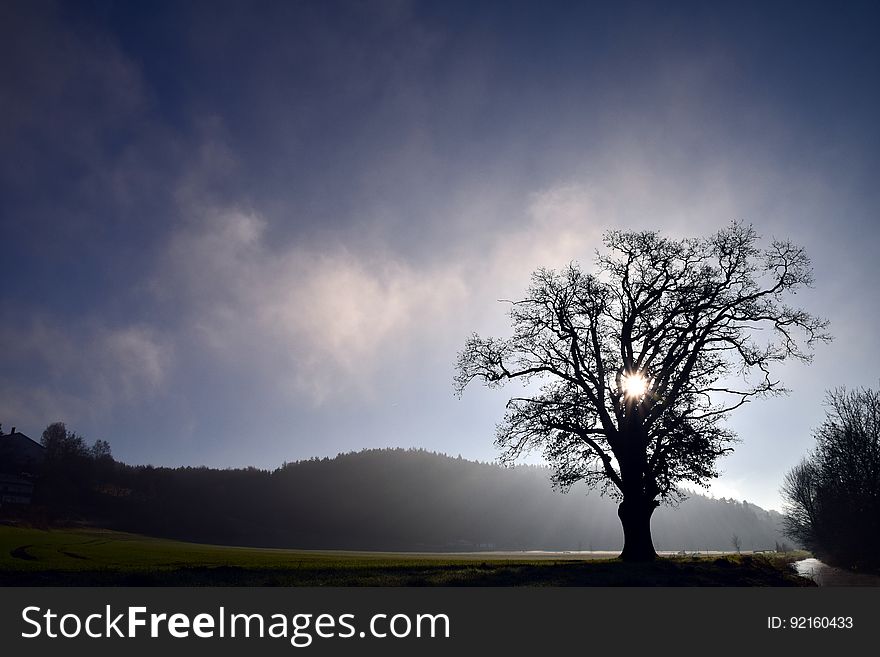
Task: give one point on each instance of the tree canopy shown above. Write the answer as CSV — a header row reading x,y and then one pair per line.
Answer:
x,y
640,361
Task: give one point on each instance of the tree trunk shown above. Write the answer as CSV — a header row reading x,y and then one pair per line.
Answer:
x,y
635,516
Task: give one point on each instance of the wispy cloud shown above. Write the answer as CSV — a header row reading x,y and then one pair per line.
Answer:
x,y
321,320
77,370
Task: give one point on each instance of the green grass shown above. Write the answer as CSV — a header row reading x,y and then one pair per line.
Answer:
x,y
35,557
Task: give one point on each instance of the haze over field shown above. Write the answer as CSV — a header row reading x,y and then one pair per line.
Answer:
x,y
408,500
237,235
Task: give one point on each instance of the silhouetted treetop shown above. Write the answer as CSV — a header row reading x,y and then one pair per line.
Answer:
x,y
641,360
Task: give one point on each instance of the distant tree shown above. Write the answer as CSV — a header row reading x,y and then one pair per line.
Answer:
x,y
642,360
71,468
737,543
833,496
800,490
101,450
63,445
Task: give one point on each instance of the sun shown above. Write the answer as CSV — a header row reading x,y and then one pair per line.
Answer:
x,y
634,385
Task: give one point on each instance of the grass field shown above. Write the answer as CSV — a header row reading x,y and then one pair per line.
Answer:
x,y
36,557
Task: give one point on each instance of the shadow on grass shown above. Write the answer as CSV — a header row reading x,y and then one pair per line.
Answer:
x,y
726,571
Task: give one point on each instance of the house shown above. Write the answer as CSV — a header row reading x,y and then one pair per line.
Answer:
x,y
18,453
15,489
20,459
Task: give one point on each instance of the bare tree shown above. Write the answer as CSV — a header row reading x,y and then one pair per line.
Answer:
x,y
800,492
642,360
833,496
736,542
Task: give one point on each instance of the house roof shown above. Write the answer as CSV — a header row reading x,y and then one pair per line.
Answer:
x,y
19,451
19,440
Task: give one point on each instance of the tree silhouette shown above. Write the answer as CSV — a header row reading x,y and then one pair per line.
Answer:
x,y
71,468
833,496
641,361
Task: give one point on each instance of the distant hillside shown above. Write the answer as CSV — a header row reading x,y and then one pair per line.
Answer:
x,y
398,499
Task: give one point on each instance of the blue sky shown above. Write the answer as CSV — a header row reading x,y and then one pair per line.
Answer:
x,y
244,233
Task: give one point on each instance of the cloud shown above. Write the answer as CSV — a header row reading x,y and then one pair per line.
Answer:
x,y
71,95
562,225
329,317
132,361
77,371
322,320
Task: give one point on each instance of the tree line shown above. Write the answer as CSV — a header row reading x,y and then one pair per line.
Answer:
x,y
391,499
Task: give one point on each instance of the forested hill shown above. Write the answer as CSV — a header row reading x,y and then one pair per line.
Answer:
x,y
396,499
